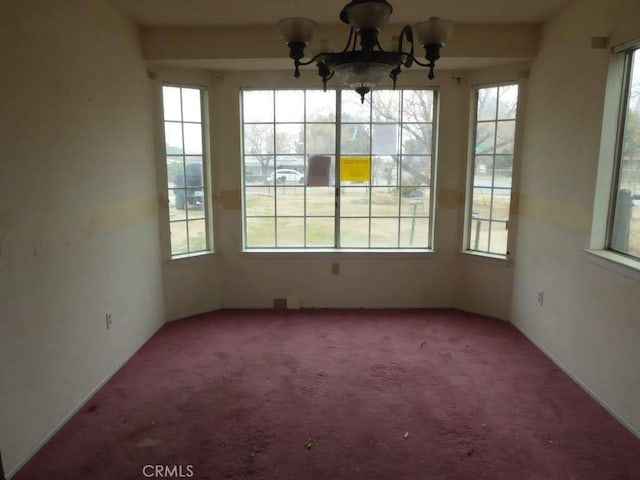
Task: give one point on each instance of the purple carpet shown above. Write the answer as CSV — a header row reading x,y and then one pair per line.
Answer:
x,y
326,394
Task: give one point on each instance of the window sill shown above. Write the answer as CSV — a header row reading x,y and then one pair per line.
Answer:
x,y
489,258
191,258
342,252
614,262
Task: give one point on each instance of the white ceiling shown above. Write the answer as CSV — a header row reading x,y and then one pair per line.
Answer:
x,y
256,12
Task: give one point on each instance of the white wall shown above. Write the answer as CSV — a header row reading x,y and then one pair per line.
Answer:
x,y
589,320
78,221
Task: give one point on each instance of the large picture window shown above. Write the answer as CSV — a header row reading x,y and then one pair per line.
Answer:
x,y
624,234
493,146
183,109
321,170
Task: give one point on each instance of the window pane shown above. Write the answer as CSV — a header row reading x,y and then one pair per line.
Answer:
x,y
416,138
260,201
191,105
354,202
290,200
504,171
384,139
258,169
417,106
195,202
352,109
177,210
498,242
290,232
171,103
290,138
416,170
385,105
479,238
321,106
354,232
508,103
179,244
415,201
258,139
481,206
356,139
414,232
321,138
290,106
194,169
501,202
384,170
192,138
487,104
485,137
320,232
384,202
483,171
290,169
505,136
173,138
257,106
197,236
384,232
261,232
175,171
321,201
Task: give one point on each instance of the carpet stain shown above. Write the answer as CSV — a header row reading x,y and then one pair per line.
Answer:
x,y
149,442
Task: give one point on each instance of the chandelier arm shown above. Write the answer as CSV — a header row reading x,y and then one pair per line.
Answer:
x,y
309,62
379,46
429,64
407,32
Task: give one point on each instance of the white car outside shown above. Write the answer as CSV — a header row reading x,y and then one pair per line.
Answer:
x,y
286,175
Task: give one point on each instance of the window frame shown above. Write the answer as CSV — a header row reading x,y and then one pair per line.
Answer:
x,y
206,170
336,217
599,251
623,113
471,165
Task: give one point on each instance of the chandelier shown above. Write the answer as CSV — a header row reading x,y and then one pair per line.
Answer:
x,y
365,68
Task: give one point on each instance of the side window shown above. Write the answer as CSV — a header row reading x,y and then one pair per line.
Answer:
x,y
189,215
624,230
489,194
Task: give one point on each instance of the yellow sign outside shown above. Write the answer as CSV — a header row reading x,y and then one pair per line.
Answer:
x,y
355,169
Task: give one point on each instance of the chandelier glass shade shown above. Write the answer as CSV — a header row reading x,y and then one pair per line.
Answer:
x,y
364,64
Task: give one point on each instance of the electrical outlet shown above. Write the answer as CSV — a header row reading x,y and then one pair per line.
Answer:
x,y
540,297
108,319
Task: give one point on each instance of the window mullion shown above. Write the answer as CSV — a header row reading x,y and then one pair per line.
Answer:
x,y
370,162
493,170
184,170
338,127
275,169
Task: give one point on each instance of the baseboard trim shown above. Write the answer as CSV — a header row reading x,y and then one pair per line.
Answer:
x,y
77,408
582,385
